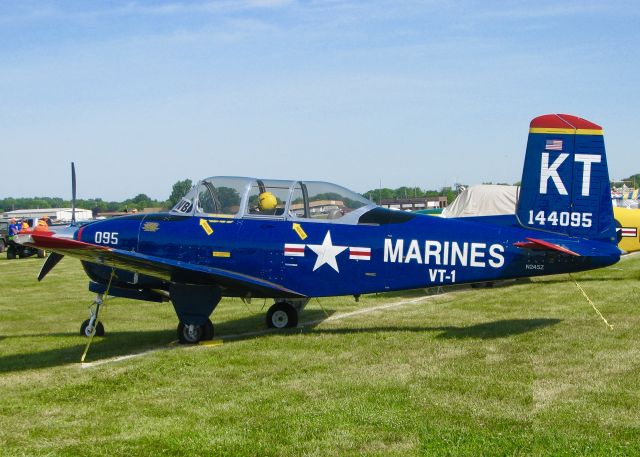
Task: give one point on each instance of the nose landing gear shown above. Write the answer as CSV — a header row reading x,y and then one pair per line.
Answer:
x,y
89,326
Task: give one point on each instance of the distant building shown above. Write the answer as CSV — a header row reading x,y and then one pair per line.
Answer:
x,y
55,214
414,204
109,214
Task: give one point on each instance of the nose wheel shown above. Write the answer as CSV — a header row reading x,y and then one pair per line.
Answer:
x,y
87,327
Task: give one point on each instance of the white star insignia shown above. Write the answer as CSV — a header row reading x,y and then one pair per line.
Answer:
x,y
326,252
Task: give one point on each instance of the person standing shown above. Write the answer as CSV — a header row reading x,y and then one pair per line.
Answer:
x,y
14,228
42,225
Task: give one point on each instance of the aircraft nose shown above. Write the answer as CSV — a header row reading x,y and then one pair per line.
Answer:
x,y
119,233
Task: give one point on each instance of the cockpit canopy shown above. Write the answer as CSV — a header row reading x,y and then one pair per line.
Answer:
x,y
236,197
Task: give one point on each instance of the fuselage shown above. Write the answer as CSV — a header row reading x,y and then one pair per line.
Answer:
x,y
386,250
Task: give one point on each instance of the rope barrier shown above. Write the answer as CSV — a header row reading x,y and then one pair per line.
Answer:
x,y
591,302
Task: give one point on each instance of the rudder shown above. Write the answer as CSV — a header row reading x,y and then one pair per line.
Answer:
x,y
565,180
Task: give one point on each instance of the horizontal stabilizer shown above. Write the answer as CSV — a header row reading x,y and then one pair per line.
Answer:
x,y
541,245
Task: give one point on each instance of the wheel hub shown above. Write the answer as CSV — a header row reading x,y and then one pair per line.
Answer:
x,y
192,332
280,319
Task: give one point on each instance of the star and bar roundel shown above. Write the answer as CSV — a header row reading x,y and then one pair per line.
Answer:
x,y
327,252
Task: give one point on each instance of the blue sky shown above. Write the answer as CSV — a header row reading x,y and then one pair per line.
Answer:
x,y
143,94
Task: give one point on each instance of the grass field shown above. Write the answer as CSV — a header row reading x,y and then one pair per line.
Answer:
x,y
528,369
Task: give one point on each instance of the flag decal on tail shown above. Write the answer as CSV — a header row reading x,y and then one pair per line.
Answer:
x,y
554,145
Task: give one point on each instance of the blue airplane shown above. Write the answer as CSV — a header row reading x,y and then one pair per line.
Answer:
x,y
293,240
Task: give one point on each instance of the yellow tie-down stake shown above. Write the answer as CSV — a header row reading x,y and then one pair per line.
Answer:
x,y
206,227
298,229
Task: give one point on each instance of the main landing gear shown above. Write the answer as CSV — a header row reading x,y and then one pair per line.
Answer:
x,y
194,304
284,314
194,333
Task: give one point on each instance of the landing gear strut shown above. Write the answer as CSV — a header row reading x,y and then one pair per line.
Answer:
x,y
88,325
194,304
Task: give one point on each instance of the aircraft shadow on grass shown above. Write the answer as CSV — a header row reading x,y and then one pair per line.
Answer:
x,y
629,277
414,293
486,330
132,342
123,343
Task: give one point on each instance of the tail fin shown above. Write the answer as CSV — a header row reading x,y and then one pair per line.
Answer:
x,y
565,181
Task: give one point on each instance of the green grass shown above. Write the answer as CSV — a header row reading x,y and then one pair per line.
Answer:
x,y
527,369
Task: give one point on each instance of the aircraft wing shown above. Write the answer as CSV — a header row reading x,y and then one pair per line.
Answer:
x,y
157,267
534,243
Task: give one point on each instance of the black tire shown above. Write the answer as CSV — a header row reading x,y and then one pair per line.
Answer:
x,y
208,331
282,315
11,253
84,329
191,334
41,254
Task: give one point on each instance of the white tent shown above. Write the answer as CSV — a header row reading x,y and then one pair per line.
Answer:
x,y
484,200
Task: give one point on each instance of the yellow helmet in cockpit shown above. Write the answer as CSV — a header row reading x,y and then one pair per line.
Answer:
x,y
267,201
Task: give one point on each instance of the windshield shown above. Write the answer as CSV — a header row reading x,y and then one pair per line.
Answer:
x,y
185,205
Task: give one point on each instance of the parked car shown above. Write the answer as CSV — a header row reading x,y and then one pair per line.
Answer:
x,y
4,235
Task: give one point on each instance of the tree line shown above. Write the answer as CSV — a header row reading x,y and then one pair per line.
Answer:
x,y
98,205
180,188
376,195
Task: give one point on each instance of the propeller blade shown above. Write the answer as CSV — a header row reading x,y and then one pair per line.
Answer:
x,y
48,264
73,194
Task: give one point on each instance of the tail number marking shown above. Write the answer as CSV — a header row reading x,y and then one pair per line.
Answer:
x,y
561,218
106,237
548,172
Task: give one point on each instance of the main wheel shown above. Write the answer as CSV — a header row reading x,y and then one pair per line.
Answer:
x,y
11,253
191,333
41,254
86,331
208,331
282,315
